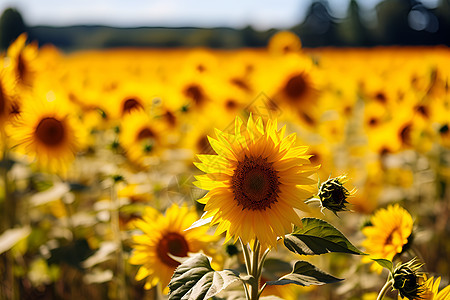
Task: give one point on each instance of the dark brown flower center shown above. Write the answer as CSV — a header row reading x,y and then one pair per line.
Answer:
x,y
50,132
201,68
296,87
373,122
405,134
255,183
21,68
240,83
423,110
203,145
131,104
231,104
381,97
287,49
145,133
170,118
174,244
195,93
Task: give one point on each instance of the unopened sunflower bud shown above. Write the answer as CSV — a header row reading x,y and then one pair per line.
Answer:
x,y
407,280
333,195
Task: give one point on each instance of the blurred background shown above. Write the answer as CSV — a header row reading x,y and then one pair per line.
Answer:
x,y
75,25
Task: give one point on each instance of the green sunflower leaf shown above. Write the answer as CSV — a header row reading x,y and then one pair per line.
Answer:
x,y
318,237
305,274
196,279
385,263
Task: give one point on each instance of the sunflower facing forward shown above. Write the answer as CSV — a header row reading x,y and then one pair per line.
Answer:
x,y
255,182
389,232
47,131
164,237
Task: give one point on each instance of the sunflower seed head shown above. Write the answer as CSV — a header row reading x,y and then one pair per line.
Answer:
x,y
333,194
407,280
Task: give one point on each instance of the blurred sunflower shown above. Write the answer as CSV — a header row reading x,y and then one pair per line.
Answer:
x,y
256,182
202,61
21,58
141,137
47,131
431,290
298,88
163,237
284,42
6,99
389,232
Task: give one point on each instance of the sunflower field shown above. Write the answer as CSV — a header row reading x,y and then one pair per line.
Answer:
x,y
270,173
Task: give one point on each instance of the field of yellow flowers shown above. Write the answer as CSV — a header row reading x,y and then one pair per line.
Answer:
x,y
123,170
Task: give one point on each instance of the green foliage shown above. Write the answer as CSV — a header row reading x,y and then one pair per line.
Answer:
x,y
385,263
318,237
196,279
11,26
305,274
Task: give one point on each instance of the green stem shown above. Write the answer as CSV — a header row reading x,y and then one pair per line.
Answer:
x,y
385,288
262,289
247,266
246,257
9,205
9,220
313,200
261,263
122,292
254,287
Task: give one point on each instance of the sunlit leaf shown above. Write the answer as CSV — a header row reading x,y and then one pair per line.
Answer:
x,y
305,274
51,194
196,279
385,263
11,237
318,237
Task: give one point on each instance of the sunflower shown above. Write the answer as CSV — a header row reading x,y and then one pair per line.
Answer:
x,y
164,237
21,59
6,99
47,131
141,137
256,182
389,232
432,290
298,90
284,42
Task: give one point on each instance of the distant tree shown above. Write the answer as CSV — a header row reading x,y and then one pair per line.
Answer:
x,y
11,26
319,27
352,30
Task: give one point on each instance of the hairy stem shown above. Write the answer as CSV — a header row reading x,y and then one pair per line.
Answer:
x,y
254,287
122,292
385,289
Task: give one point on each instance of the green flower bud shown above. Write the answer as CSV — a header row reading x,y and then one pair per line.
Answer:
x,y
333,195
407,280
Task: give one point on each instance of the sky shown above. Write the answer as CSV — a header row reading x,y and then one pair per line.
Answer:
x,y
262,14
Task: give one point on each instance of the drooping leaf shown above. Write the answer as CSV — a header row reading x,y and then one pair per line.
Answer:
x,y
318,237
196,279
305,274
385,263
